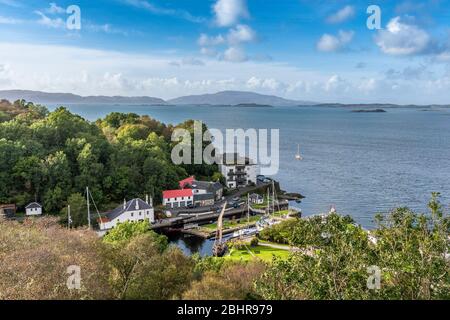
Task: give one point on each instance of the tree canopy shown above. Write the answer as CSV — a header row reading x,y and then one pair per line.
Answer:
x,y
50,156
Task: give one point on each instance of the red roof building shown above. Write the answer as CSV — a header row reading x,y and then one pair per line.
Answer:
x,y
178,198
168,194
186,181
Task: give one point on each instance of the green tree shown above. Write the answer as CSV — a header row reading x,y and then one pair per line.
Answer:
x,y
128,230
78,211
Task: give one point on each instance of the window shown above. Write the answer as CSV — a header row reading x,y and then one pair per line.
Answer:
x,y
132,214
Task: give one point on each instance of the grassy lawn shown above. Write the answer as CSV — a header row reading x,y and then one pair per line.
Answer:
x,y
280,213
263,253
274,243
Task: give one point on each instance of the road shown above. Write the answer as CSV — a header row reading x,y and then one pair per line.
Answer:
x,y
218,204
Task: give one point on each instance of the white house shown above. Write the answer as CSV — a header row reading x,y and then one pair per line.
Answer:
x,y
238,171
33,209
134,210
178,198
255,198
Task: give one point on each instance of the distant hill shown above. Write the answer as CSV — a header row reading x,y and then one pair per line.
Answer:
x,y
54,98
233,98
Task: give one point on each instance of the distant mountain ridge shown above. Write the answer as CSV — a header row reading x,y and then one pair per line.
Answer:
x,y
233,98
46,97
242,99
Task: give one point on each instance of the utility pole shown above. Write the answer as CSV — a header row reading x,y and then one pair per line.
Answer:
x,y
88,207
69,219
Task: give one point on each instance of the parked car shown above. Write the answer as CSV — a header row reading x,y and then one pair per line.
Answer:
x,y
235,199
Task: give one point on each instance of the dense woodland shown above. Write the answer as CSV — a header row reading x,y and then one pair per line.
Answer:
x,y
52,156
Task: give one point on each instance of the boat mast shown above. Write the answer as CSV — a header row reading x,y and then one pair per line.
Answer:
x,y
248,209
273,197
88,207
219,247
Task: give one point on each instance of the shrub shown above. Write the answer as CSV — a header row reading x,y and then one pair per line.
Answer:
x,y
254,242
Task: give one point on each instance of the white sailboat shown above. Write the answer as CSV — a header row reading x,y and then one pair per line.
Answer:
x,y
298,155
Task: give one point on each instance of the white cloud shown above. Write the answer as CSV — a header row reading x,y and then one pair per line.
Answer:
x,y
342,15
210,52
190,61
150,7
7,20
55,9
402,39
102,72
228,12
255,83
368,85
49,22
241,34
11,3
235,54
335,83
443,56
234,39
5,75
331,43
204,40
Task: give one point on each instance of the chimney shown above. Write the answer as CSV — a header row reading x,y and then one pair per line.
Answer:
x,y
124,204
137,204
146,199
151,202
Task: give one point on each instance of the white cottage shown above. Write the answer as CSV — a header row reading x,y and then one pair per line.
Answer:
x,y
33,209
134,210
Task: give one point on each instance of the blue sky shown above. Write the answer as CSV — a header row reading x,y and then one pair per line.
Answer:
x,y
309,50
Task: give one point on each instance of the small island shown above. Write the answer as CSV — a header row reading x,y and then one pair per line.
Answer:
x,y
252,105
369,111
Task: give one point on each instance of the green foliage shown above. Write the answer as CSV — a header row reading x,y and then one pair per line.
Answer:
x,y
254,242
143,266
78,211
208,263
333,255
128,230
203,171
50,156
